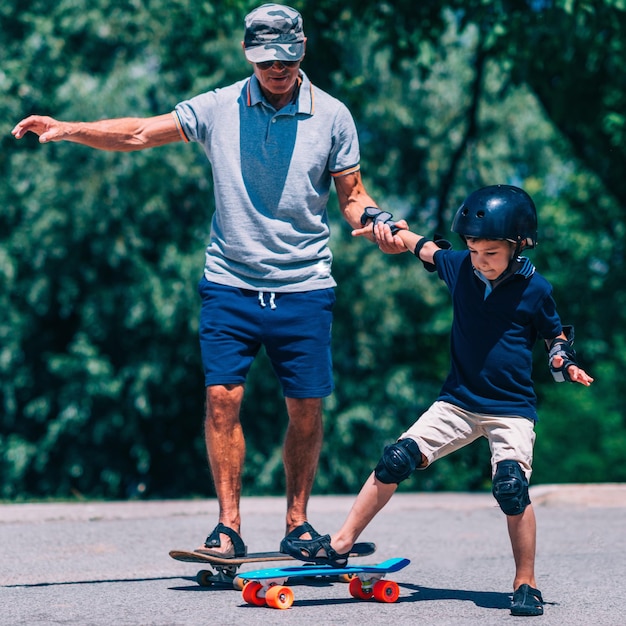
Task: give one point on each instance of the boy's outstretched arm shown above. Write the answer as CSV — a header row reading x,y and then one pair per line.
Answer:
x,y
387,241
413,242
403,240
560,348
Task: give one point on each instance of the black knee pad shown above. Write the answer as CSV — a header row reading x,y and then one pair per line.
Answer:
x,y
510,488
398,462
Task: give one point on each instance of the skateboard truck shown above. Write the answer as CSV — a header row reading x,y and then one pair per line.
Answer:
x,y
223,575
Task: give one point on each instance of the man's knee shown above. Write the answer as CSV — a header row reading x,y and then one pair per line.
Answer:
x,y
510,488
398,462
222,405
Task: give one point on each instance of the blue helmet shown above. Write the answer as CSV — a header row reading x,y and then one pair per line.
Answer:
x,y
498,212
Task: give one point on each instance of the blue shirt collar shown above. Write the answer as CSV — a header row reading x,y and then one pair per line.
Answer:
x,y
522,267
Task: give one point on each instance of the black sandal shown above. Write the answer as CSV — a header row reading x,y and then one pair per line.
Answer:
x,y
527,601
296,533
213,541
309,550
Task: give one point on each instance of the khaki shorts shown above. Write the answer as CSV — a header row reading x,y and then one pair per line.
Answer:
x,y
444,428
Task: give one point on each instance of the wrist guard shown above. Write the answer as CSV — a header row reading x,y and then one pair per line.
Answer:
x,y
565,349
377,216
444,244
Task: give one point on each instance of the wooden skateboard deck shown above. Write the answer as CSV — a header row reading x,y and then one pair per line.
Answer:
x,y
267,586
226,567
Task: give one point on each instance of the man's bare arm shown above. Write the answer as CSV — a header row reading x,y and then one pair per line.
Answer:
x,y
353,200
121,135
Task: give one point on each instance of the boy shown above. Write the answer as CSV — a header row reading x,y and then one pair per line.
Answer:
x,y
501,305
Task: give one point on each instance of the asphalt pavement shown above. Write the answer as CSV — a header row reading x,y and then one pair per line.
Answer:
x,y
108,563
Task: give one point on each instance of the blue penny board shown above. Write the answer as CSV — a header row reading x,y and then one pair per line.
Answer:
x,y
386,567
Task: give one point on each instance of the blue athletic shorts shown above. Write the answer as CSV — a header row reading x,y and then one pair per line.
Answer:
x,y
294,328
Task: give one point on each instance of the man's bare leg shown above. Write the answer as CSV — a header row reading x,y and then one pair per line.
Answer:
x,y
301,451
226,450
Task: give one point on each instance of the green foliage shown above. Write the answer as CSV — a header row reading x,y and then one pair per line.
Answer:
x,y
101,389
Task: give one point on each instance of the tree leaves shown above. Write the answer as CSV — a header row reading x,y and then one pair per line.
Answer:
x,y
101,389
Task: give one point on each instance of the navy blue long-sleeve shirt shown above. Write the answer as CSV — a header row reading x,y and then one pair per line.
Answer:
x,y
493,334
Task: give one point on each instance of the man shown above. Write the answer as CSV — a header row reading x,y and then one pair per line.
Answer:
x,y
274,142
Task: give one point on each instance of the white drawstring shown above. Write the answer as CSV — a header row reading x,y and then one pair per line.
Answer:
x,y
272,300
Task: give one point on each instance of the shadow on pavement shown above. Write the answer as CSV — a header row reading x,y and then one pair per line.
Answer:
x,y
484,599
90,582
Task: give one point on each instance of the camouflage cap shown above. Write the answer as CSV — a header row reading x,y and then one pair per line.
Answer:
x,y
273,32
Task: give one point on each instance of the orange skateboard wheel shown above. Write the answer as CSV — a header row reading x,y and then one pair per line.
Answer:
x,y
279,597
386,591
357,590
239,582
250,593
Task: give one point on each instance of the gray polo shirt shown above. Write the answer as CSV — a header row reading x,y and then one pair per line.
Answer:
x,y
271,173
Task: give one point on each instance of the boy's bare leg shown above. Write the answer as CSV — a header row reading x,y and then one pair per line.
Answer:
x,y
371,499
523,534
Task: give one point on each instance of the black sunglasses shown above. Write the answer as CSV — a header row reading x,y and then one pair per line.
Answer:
x,y
265,65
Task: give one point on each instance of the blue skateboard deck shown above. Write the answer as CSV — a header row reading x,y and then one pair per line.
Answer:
x,y
267,586
386,567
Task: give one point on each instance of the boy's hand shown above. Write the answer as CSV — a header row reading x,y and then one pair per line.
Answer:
x,y
576,374
562,359
384,239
